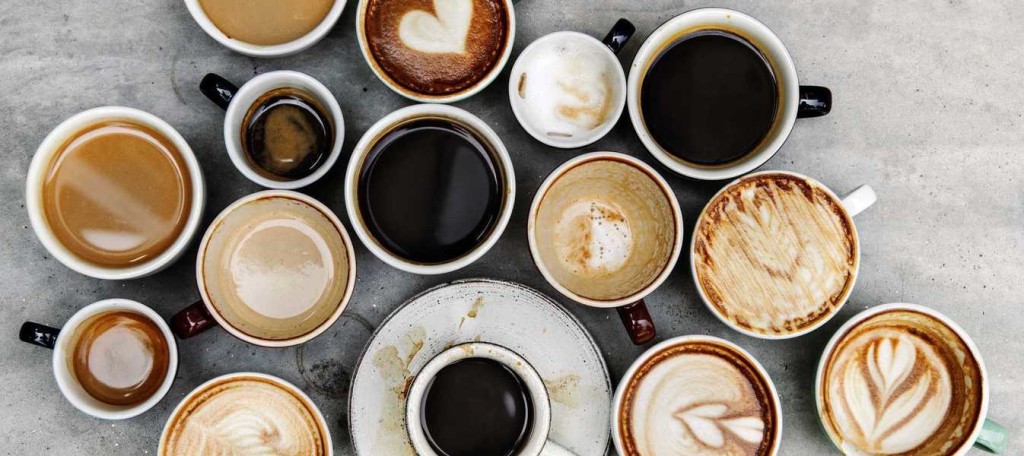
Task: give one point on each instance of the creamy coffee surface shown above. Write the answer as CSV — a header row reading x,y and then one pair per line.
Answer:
x,y
436,47
697,398
119,357
901,382
244,416
775,253
266,22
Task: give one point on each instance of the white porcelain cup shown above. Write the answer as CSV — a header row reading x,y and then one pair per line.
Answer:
x,y
236,101
795,100
60,341
277,50
535,443
40,166
385,125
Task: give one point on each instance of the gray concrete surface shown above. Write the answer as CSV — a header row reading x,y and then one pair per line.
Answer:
x,y
928,110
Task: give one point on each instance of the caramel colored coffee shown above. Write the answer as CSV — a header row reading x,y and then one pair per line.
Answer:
x,y
436,47
119,357
775,253
266,22
117,194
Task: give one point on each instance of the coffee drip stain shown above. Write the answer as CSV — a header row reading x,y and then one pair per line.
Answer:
x,y
392,364
564,390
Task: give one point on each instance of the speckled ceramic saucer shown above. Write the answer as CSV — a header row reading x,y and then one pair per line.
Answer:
x,y
503,313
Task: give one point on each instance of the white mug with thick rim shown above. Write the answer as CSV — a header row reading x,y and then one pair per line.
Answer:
x,y
256,50
51,145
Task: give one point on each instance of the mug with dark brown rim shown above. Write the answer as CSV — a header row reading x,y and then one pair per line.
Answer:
x,y
605,230
276,268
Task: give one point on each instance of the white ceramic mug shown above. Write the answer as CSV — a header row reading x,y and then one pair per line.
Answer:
x,y
236,101
795,100
385,125
60,341
40,166
256,50
536,442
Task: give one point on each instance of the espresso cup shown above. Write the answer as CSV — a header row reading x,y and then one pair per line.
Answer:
x,y
775,254
246,413
251,11
438,55
568,89
106,195
605,230
240,104
276,268
429,189
905,379
117,358
696,395
534,442
789,102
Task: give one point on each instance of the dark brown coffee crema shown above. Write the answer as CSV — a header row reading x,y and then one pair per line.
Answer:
x,y
119,357
442,50
476,407
710,98
117,194
287,134
430,190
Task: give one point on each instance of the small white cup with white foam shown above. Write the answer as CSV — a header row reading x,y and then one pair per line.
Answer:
x,y
568,89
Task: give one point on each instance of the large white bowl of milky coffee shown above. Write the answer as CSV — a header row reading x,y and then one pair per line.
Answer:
x,y
266,28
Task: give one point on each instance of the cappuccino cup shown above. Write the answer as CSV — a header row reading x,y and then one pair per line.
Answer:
x,y
276,268
605,230
696,395
113,359
266,28
905,379
776,254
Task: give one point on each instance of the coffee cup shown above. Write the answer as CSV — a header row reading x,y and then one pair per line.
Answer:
x,y
246,413
775,254
282,129
905,379
512,386
437,55
696,395
266,28
429,189
731,116
568,89
276,268
605,230
113,359
108,214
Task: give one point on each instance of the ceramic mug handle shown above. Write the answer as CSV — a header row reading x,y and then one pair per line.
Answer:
x,y
992,438
619,34
638,322
39,335
192,320
859,200
218,90
815,101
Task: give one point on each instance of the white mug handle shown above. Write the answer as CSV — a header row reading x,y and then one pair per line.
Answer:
x,y
858,200
554,449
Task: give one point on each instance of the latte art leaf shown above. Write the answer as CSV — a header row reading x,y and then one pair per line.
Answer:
x,y
707,422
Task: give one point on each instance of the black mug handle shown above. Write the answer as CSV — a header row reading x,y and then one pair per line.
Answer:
x,y
37,334
815,101
618,35
218,90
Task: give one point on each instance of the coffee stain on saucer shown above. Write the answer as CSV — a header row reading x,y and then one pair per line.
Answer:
x,y
564,389
393,369
475,308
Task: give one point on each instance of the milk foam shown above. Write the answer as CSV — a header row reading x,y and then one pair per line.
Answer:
x,y
445,31
593,238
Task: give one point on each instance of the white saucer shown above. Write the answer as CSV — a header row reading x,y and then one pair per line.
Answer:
x,y
503,313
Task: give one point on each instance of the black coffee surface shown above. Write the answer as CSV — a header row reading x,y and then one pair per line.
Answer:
x,y
710,98
287,135
430,191
476,407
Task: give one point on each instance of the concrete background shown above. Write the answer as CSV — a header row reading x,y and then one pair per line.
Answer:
x,y
928,110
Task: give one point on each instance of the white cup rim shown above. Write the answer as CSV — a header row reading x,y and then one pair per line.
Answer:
x,y
350,280
255,88
41,163
425,111
883,308
531,228
482,84
679,340
69,386
650,49
277,50
610,122
745,331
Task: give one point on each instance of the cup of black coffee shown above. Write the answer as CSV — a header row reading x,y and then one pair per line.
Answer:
x,y
429,188
713,94
479,399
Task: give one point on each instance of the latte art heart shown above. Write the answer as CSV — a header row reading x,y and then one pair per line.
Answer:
x,y
445,31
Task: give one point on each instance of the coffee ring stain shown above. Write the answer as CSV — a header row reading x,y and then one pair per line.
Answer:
x,y
329,377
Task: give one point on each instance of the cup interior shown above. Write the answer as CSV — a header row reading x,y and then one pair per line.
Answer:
x,y
73,390
255,50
